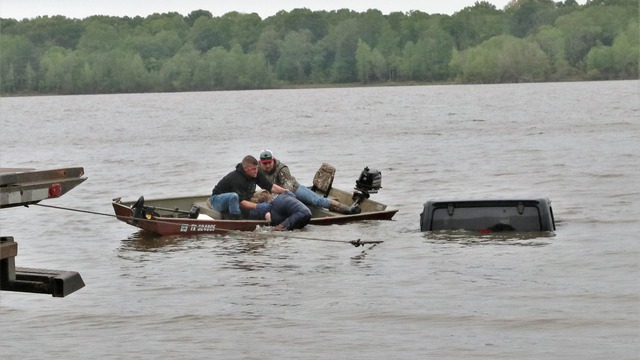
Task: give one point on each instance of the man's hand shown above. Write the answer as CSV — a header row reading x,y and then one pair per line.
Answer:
x,y
263,207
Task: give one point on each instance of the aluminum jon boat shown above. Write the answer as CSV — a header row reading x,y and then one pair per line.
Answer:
x,y
193,215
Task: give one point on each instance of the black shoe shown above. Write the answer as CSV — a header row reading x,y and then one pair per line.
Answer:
x,y
356,209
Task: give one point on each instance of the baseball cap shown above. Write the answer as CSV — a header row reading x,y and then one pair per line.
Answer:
x,y
266,155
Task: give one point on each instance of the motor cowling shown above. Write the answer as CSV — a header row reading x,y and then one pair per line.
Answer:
x,y
370,181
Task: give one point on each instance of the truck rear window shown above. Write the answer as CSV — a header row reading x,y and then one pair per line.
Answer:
x,y
487,219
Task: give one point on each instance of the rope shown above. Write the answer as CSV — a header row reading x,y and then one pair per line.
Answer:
x,y
115,216
355,243
78,210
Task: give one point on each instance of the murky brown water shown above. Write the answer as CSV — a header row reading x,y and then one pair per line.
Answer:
x,y
575,295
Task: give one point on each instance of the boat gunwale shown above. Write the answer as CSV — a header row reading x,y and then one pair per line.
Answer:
x,y
165,225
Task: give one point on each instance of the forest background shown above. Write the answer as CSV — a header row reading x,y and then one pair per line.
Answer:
x,y
527,41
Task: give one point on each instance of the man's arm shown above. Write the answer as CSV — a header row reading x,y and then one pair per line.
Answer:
x,y
285,179
248,205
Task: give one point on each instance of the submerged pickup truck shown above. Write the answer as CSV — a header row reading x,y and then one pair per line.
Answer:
x,y
489,215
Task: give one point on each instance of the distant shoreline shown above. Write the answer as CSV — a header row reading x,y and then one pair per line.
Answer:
x,y
316,86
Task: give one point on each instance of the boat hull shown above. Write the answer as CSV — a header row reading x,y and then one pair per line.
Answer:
x,y
171,216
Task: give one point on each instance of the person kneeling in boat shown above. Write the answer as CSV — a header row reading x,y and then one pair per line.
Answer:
x,y
287,212
231,196
278,173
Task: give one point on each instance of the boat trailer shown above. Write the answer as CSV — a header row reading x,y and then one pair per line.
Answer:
x,y
24,187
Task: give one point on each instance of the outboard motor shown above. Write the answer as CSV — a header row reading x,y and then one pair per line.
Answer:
x,y
138,208
369,182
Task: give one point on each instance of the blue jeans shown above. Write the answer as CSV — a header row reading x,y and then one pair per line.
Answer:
x,y
308,197
289,212
228,203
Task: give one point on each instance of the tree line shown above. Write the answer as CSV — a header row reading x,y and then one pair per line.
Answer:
x,y
528,41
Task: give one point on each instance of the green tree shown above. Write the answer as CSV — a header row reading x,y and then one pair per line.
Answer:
x,y
242,71
227,65
176,73
363,62
8,81
99,37
438,46
388,41
46,31
168,22
299,20
231,70
154,49
268,44
528,15
127,72
343,41
389,49
580,36
631,4
410,63
521,61
226,26
18,53
379,66
246,30
30,79
195,15
592,26
503,59
473,25
429,58
87,81
120,25
203,34
370,26
320,63
58,66
551,41
296,53
255,72
619,61
413,25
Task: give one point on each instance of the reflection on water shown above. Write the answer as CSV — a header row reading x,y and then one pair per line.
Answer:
x,y
463,237
145,241
359,258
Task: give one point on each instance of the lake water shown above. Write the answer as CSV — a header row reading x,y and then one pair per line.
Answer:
x,y
268,296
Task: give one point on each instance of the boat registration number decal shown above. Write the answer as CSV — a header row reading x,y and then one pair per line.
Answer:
x,y
197,227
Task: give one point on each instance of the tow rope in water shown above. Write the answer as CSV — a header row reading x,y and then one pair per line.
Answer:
x,y
110,215
355,243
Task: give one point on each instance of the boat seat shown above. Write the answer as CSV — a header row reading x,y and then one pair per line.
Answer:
x,y
205,208
323,180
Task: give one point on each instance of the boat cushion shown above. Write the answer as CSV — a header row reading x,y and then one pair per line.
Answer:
x,y
205,208
323,179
